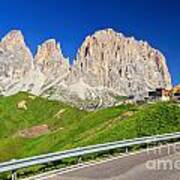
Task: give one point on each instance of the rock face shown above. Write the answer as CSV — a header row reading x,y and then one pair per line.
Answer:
x,y
124,65
50,61
107,65
15,61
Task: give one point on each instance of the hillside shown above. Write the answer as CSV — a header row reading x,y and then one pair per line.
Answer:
x,y
32,125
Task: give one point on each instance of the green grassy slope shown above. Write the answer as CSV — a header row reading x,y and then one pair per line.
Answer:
x,y
70,127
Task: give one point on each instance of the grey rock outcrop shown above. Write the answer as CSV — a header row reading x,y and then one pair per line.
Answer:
x,y
123,65
15,61
50,61
107,65
49,68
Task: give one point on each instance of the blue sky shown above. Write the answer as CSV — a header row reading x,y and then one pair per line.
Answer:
x,y
157,21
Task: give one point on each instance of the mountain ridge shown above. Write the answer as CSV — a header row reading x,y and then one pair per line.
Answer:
x,y
107,64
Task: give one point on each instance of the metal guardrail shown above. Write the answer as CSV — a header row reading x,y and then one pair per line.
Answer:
x,y
14,165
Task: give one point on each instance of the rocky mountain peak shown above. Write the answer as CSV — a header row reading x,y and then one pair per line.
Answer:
x,y
50,50
13,39
107,65
15,61
14,47
50,61
123,64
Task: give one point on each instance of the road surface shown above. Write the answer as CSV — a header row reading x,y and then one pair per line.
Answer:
x,y
132,167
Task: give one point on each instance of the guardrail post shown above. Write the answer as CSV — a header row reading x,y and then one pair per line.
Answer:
x,y
147,146
127,150
79,159
14,175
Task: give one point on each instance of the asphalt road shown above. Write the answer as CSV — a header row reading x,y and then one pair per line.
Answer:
x,y
133,167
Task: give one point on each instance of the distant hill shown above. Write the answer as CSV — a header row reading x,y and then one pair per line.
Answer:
x,y
31,125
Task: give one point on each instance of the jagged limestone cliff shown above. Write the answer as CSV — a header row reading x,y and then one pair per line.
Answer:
x,y
15,61
125,65
107,65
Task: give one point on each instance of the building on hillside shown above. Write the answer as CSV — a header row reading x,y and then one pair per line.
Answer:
x,y
162,94
152,95
159,94
176,93
176,97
